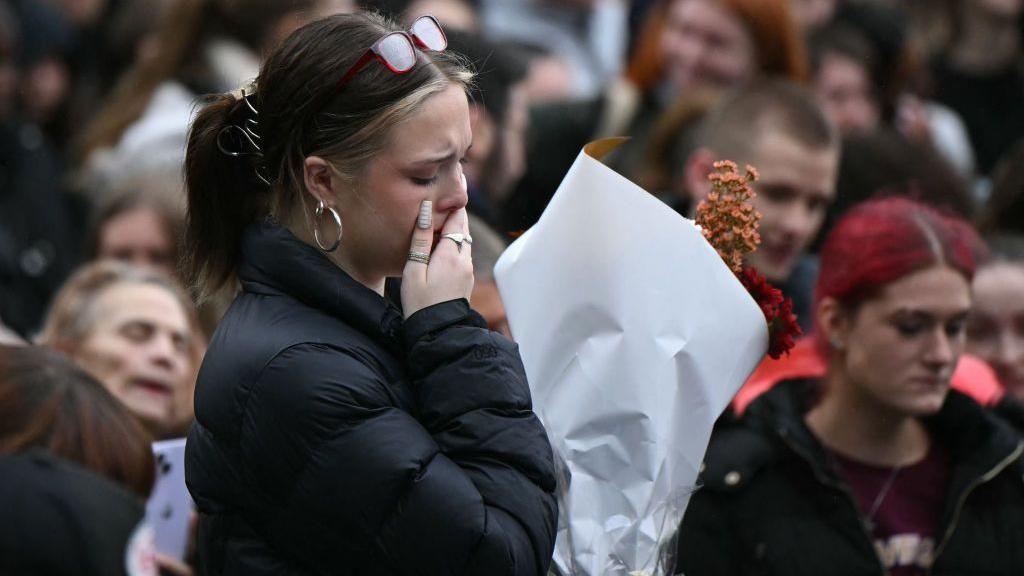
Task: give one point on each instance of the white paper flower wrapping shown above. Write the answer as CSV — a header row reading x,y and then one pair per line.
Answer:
x,y
635,337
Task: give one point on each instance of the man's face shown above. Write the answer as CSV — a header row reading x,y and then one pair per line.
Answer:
x,y
796,186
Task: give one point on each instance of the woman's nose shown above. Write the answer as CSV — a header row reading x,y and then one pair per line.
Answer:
x,y
165,353
455,195
943,349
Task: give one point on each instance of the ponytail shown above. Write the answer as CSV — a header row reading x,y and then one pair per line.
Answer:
x,y
239,169
224,197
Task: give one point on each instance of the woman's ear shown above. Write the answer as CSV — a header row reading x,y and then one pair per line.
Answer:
x,y
833,320
317,174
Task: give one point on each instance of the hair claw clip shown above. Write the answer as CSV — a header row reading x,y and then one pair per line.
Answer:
x,y
239,152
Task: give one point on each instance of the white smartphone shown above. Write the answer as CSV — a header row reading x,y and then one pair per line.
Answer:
x,y
170,505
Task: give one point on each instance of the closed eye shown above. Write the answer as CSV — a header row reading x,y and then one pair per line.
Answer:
x,y
776,193
137,331
956,326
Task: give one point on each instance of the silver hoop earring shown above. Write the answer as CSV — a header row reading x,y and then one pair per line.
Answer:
x,y
836,343
316,227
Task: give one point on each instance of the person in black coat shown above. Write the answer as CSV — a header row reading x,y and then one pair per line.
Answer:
x,y
62,519
349,422
877,468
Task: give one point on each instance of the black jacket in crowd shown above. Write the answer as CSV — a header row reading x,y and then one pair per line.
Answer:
x,y
772,505
334,438
60,519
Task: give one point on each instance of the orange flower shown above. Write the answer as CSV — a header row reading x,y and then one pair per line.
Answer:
x,y
728,220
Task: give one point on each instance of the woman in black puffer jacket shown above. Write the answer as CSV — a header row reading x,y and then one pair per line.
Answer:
x,y
349,423
878,468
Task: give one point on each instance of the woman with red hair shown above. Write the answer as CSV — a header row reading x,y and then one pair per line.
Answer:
x,y
722,43
876,467
685,49
728,40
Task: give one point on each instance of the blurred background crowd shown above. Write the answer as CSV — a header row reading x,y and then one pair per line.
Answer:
x,y
834,101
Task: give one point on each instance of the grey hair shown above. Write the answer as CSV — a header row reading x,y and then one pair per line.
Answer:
x,y
72,315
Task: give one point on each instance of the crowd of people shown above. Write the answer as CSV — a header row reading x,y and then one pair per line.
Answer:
x,y
205,206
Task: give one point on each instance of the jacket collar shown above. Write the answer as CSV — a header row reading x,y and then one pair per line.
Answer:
x,y
275,262
977,442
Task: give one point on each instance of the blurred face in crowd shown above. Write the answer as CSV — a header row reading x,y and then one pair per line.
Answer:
x,y
325,8
704,44
422,162
550,79
513,138
812,14
843,87
796,186
485,142
996,328
899,349
498,155
138,236
996,8
44,87
453,14
296,19
140,347
83,12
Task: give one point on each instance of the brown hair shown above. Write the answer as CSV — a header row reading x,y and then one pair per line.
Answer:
x,y
301,113
1004,210
747,114
134,195
72,313
883,162
645,68
48,402
673,139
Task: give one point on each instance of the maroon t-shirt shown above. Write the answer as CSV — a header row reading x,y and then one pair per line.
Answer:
x,y
907,518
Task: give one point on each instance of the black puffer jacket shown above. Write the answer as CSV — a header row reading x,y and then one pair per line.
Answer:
x,y
771,504
332,438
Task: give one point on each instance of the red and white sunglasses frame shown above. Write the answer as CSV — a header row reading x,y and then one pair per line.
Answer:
x,y
414,40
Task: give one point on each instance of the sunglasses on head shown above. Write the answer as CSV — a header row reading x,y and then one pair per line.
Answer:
x,y
397,50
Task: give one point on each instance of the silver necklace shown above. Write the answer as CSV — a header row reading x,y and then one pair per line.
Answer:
x,y
881,495
869,520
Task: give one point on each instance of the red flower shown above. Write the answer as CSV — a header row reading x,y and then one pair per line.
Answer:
x,y
783,329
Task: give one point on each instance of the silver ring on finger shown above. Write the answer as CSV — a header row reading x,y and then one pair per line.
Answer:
x,y
459,239
421,257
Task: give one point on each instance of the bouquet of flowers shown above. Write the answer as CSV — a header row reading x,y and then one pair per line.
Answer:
x,y
635,336
729,222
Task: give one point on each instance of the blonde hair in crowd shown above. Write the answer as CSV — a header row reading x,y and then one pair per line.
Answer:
x,y
72,315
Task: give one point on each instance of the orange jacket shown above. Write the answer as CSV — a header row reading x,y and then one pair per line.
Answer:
x,y
972,377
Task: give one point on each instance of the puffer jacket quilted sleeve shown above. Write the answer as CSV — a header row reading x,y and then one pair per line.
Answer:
x,y
461,484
